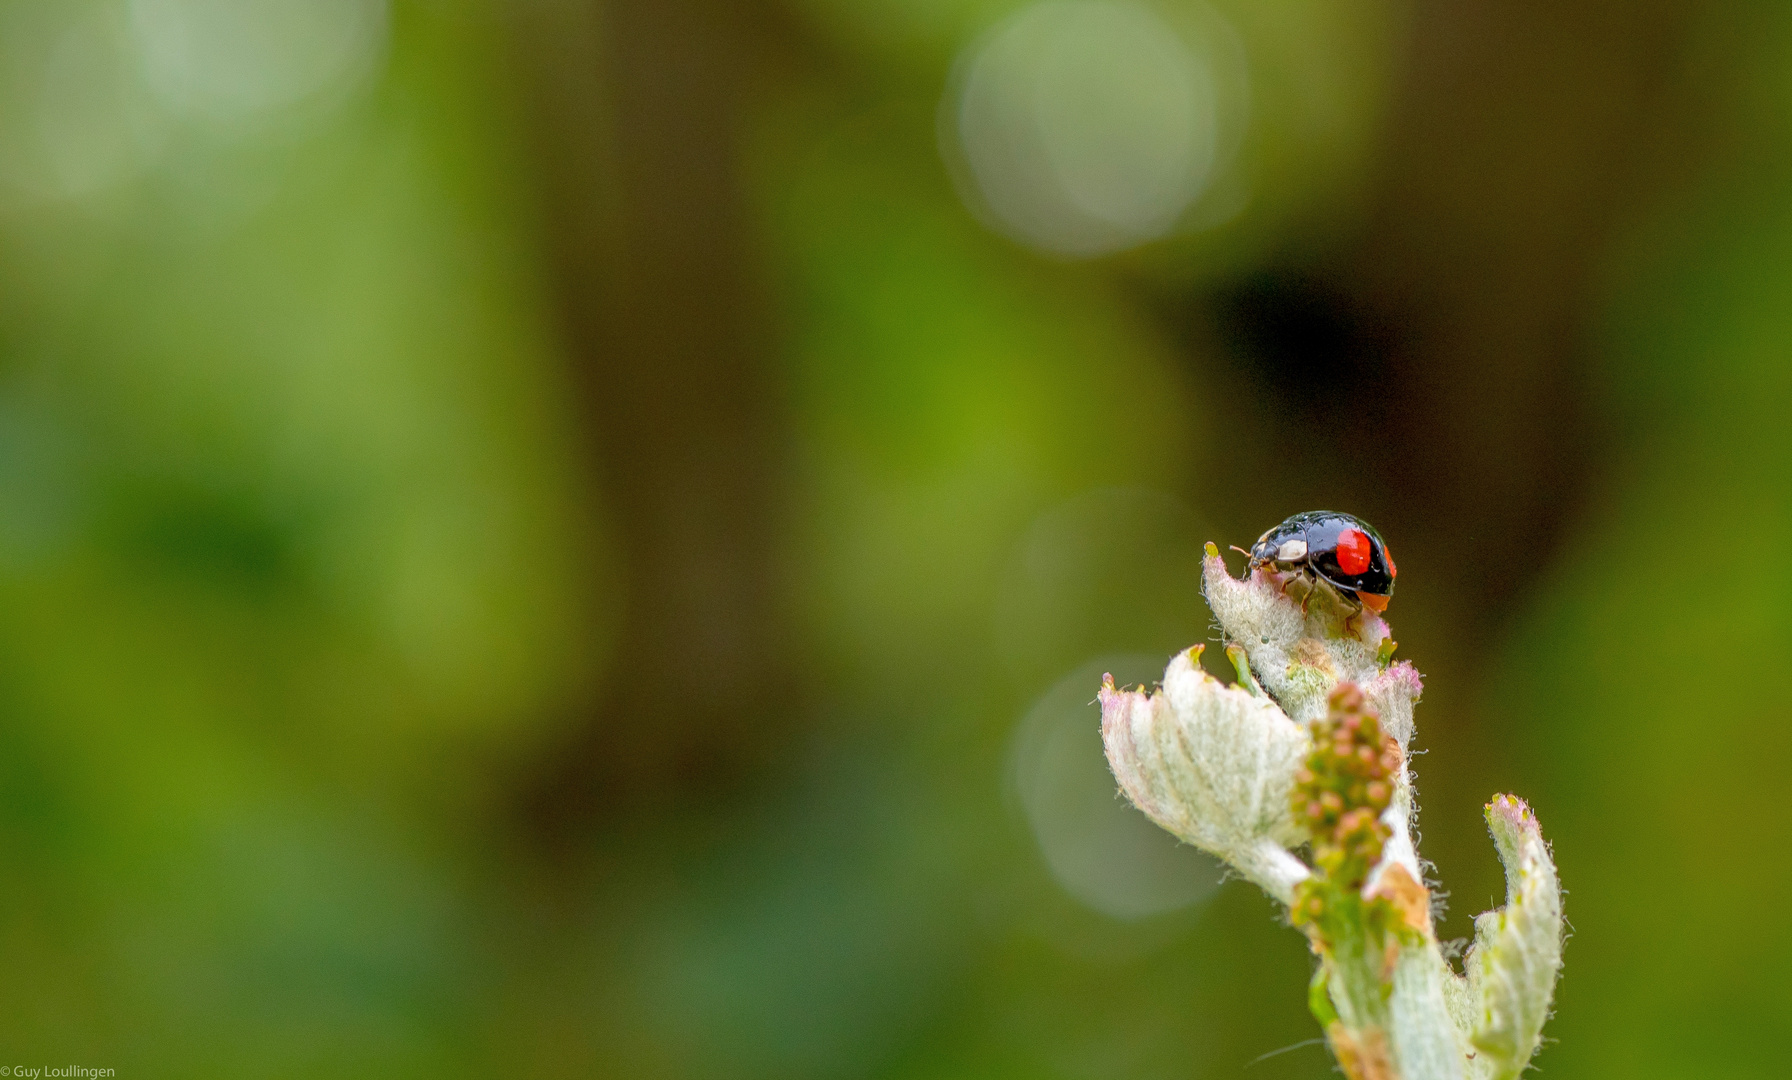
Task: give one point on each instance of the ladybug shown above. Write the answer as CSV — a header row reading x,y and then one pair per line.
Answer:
x,y
1342,550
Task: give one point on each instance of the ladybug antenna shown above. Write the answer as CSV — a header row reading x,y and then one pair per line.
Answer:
x,y
1240,550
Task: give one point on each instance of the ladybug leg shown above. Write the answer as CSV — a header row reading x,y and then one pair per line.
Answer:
x,y
1285,581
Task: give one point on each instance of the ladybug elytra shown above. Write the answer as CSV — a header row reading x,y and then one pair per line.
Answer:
x,y
1340,549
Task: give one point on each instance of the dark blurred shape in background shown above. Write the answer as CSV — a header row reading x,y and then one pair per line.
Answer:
x,y
578,536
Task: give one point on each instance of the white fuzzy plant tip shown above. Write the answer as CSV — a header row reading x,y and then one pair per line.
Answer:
x,y
1307,754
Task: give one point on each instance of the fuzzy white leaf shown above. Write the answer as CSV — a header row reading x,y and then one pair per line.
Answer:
x,y
1518,949
1301,656
1213,764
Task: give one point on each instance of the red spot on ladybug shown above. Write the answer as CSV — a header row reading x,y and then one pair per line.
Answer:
x,y
1353,551
1388,556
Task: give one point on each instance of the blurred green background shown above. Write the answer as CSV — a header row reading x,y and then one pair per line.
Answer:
x,y
577,537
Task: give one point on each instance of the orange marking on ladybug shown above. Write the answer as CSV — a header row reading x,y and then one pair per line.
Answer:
x,y
1374,603
1353,551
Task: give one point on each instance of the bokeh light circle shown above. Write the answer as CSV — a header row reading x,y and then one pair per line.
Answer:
x,y
1085,126
1099,849
239,60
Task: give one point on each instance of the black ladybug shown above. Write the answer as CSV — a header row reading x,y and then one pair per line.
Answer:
x,y
1339,548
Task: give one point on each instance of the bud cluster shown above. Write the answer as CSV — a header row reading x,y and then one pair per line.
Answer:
x,y
1347,782
1339,797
